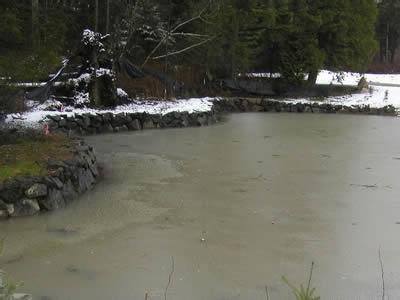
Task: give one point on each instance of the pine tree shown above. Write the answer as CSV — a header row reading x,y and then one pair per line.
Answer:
x,y
389,29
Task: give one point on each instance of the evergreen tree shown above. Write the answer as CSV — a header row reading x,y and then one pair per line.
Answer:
x,y
309,35
389,29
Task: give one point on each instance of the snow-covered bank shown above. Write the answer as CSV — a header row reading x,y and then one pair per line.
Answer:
x,y
36,115
378,96
384,89
347,78
340,78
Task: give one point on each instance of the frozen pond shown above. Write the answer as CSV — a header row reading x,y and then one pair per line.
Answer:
x,y
236,205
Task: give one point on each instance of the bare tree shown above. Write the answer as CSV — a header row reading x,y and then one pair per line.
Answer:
x,y
173,33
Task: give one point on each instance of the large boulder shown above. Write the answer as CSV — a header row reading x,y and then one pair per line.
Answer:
x,y
37,190
53,201
11,191
25,208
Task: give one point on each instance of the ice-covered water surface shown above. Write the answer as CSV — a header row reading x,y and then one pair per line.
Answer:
x,y
237,205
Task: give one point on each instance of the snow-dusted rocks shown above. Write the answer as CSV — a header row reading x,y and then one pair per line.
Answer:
x,y
38,115
266,105
107,122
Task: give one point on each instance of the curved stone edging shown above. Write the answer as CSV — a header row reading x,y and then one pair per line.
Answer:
x,y
87,124
264,105
27,196
108,122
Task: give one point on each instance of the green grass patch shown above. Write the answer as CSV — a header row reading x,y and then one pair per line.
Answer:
x,y
28,155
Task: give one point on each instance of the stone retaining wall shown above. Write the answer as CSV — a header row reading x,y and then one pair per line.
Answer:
x,y
87,124
265,105
27,196
108,122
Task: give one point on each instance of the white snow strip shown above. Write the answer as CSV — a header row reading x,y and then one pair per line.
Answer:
x,y
346,78
341,78
35,117
378,97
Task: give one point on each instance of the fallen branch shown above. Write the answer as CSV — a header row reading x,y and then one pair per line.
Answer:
x,y
382,274
169,277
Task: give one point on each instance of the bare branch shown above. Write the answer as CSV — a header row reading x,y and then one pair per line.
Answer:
x,y
171,32
382,274
190,34
199,16
170,277
309,279
184,49
266,292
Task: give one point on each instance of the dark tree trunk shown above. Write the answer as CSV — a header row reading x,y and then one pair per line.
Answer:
x,y
35,24
96,16
312,78
108,17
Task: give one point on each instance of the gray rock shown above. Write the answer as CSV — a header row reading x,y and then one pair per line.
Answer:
x,y
86,121
54,118
300,107
118,120
10,209
85,180
202,120
26,182
56,164
128,119
107,117
58,183
3,205
257,108
62,123
82,148
185,121
11,192
69,192
93,168
107,128
37,190
25,208
278,107
92,156
3,214
53,201
148,124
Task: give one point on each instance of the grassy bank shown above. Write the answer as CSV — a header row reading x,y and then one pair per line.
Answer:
x,y
27,154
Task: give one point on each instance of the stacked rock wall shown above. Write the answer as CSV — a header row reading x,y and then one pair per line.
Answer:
x,y
108,122
264,105
26,196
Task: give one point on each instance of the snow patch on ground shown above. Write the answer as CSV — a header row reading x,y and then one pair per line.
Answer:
x,y
378,97
385,88
35,117
347,78
340,78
